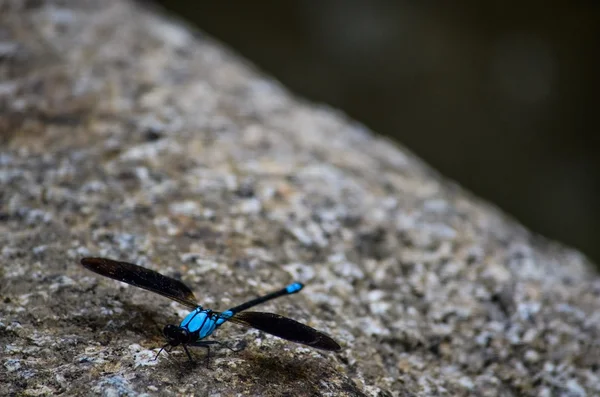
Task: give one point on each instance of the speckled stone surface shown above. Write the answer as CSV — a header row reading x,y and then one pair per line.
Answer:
x,y
124,134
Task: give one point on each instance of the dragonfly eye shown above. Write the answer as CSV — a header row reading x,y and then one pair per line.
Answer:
x,y
176,335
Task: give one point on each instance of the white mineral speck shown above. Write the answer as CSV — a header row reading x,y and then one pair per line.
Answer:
x,y
187,208
575,389
532,356
12,365
466,383
250,206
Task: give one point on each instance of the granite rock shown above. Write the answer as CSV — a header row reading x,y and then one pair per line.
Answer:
x,y
126,134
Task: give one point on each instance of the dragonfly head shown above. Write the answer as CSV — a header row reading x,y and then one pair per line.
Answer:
x,y
176,335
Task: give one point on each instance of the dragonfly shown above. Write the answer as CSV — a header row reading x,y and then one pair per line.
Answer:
x,y
200,322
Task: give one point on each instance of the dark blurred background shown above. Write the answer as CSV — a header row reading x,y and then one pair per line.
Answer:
x,y
501,96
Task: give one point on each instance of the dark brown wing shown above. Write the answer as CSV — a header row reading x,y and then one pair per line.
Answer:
x,y
287,329
142,277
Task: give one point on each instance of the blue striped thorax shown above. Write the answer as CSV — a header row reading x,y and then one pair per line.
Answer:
x,y
203,322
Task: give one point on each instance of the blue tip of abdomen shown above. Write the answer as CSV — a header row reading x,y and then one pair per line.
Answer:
x,y
293,288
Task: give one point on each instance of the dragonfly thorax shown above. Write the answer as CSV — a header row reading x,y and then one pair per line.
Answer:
x,y
177,335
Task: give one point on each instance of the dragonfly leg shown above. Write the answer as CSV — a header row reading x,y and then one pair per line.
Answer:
x,y
214,342
160,351
188,353
206,344
242,347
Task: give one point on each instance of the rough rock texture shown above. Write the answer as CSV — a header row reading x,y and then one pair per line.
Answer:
x,y
126,135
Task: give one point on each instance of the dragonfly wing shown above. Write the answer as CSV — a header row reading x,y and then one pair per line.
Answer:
x,y
142,277
286,328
